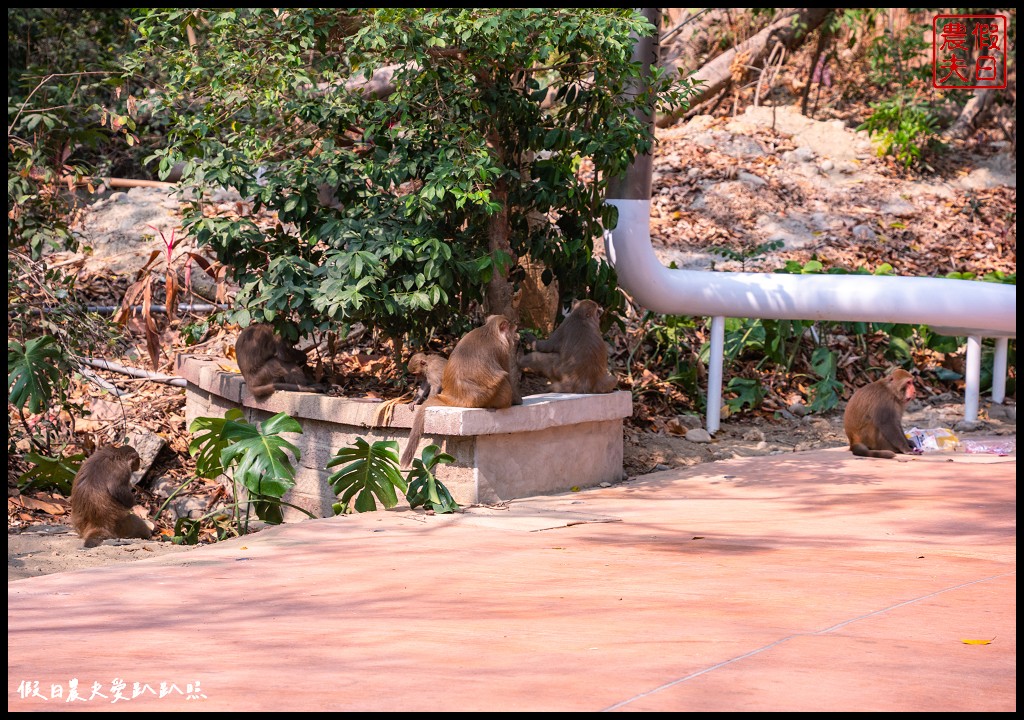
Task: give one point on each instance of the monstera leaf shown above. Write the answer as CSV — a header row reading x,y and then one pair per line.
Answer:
x,y
212,436
424,488
51,473
33,372
261,462
370,471
256,455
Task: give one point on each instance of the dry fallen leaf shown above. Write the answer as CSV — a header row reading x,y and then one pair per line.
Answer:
x,y
103,410
88,425
674,427
977,642
48,508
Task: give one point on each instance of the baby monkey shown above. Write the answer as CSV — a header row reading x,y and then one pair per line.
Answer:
x,y
430,368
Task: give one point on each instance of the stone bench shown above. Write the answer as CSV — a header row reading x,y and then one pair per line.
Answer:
x,y
549,444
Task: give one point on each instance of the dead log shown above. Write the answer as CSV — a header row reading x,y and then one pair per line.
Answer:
x,y
973,111
790,30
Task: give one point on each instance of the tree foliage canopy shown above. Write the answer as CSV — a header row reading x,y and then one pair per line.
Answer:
x,y
397,207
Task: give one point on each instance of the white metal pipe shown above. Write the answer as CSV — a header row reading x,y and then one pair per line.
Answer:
x,y
715,360
999,371
986,308
973,378
952,307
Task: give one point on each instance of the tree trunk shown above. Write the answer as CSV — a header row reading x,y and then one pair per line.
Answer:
x,y
498,297
972,112
790,30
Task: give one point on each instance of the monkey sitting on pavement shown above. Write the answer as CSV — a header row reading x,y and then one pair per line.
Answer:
x,y
102,497
873,419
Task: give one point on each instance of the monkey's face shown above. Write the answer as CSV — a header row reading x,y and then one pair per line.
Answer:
x,y
901,385
418,364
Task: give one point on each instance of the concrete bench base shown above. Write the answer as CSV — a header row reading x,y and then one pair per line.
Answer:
x,y
549,444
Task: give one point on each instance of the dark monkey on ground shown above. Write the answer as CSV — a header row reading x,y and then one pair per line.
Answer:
x,y
574,358
481,373
102,497
270,363
873,419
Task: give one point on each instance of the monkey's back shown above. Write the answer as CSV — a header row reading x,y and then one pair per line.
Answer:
x,y
255,345
873,418
102,486
476,374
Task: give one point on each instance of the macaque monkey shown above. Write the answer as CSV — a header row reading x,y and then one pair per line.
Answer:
x,y
874,416
430,368
481,373
102,498
269,363
574,358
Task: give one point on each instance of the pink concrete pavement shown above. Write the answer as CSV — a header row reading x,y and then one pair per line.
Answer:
x,y
813,581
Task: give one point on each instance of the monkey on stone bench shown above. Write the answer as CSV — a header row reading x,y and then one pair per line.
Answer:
x,y
481,373
574,358
269,363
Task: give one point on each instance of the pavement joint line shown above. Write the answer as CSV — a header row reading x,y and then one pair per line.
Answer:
x,y
816,633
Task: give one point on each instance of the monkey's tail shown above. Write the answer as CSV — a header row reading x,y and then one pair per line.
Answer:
x,y
862,450
96,538
415,433
387,410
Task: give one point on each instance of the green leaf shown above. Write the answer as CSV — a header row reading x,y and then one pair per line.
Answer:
x,y
186,531
260,457
51,473
34,372
256,456
748,392
212,436
824,394
368,472
424,488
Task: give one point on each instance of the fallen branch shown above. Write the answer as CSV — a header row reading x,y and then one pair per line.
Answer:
x,y
972,112
133,372
790,30
108,309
